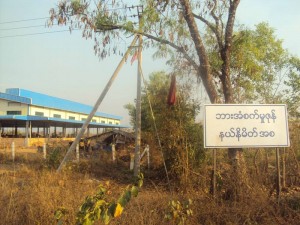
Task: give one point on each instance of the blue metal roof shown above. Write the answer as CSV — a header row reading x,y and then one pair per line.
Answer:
x,y
38,99
15,98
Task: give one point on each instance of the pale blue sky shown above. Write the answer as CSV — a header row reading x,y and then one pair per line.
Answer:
x,y
64,64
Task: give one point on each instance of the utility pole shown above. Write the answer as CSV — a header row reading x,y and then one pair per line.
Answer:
x,y
136,171
96,106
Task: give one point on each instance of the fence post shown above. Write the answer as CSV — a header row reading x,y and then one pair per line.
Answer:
x,y
77,153
44,151
113,150
13,151
131,161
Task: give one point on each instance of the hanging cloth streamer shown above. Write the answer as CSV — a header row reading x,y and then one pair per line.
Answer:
x,y
172,91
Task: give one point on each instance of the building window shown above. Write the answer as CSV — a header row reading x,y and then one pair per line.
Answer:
x,y
56,116
13,112
39,113
102,121
71,117
94,121
83,119
110,122
117,123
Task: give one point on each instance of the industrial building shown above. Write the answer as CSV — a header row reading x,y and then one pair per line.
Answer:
x,y
28,111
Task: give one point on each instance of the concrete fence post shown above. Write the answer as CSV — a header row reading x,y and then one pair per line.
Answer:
x,y
44,151
113,150
77,153
13,151
131,161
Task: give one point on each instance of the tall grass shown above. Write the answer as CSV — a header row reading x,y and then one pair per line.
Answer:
x,y
31,191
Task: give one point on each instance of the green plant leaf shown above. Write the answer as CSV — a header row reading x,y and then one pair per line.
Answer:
x,y
111,209
134,191
125,198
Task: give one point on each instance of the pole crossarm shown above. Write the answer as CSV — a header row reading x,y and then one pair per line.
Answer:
x,y
96,106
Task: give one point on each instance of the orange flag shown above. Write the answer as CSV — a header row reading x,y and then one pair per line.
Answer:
x,y
172,91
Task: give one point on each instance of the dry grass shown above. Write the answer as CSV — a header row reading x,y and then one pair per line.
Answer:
x,y
30,193
31,197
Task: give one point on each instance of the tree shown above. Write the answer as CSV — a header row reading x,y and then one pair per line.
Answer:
x,y
179,134
159,20
260,67
292,92
177,29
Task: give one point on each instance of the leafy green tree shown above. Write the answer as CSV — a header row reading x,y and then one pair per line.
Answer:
x,y
258,61
260,66
179,135
292,92
177,29
173,27
158,21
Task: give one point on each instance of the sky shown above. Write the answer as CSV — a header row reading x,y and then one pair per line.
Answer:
x,y
64,65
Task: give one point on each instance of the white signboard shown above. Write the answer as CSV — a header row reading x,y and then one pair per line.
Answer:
x,y
243,126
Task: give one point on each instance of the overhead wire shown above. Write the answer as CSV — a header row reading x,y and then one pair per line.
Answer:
x,y
18,28
35,26
38,33
18,21
27,27
42,18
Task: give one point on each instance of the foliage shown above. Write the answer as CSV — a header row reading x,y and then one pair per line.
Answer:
x,y
109,21
59,214
38,193
54,156
179,212
180,136
293,202
292,92
177,30
252,62
258,63
98,208
131,111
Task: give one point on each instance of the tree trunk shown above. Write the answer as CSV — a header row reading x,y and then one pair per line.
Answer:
x,y
204,71
239,182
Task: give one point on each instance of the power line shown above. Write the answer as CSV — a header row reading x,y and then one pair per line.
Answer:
x,y
17,21
31,26
33,34
17,28
42,18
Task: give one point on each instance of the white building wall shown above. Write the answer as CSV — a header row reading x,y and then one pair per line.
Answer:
x,y
70,114
96,119
103,120
6,105
110,121
53,112
35,110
